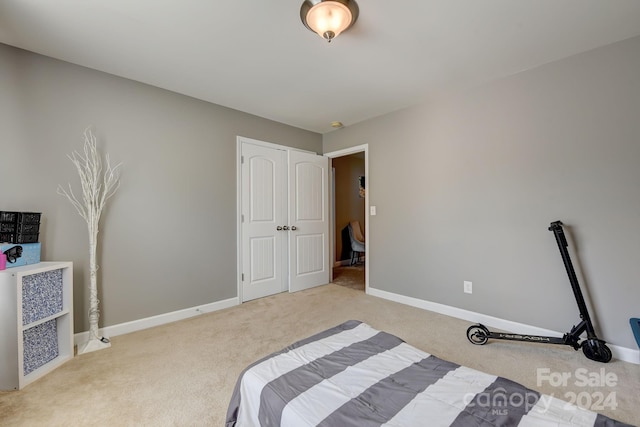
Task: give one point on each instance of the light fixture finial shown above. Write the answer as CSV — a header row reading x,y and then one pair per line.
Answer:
x,y
329,35
329,18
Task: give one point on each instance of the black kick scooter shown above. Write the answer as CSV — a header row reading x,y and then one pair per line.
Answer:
x,y
592,347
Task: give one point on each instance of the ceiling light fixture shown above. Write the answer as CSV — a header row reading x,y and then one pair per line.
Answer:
x,y
328,18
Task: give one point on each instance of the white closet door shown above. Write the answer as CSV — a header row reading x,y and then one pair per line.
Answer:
x,y
264,209
309,220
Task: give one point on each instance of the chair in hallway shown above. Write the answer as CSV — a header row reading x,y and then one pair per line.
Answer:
x,y
357,241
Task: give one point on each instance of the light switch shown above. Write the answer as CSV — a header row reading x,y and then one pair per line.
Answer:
x,y
373,210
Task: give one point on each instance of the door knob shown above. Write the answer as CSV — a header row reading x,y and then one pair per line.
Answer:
x,y
294,228
279,228
285,228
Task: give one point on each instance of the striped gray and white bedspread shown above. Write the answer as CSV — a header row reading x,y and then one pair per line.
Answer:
x,y
354,375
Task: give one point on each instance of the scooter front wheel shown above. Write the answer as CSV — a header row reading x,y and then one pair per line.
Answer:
x,y
478,334
596,350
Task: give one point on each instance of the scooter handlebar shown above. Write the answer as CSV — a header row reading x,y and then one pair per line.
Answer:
x,y
556,227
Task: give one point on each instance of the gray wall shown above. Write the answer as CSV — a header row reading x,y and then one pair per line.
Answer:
x,y
484,172
168,237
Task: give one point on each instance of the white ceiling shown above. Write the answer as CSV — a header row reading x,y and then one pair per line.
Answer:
x,y
256,56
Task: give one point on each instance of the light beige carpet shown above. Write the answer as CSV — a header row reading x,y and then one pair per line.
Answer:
x,y
182,374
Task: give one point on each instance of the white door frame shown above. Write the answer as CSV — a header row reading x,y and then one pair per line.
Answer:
x,y
239,141
332,226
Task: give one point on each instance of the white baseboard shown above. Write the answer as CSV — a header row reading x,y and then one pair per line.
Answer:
x,y
621,353
161,319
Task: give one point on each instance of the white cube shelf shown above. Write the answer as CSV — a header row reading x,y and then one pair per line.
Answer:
x,y
36,321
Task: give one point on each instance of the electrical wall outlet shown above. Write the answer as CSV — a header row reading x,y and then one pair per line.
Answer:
x,y
468,287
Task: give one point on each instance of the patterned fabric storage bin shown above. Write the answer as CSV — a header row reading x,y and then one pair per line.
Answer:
x,y
41,295
8,226
19,227
40,345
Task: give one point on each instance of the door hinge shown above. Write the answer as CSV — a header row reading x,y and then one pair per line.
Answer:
x,y
243,277
242,159
242,218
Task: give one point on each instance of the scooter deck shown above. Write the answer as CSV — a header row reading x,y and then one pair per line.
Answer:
x,y
526,338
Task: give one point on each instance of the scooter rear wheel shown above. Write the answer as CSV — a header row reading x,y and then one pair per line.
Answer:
x,y
478,334
596,350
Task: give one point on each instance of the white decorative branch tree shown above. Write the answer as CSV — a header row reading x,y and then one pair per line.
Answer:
x,y
98,185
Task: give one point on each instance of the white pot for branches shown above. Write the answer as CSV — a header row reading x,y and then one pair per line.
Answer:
x,y
98,185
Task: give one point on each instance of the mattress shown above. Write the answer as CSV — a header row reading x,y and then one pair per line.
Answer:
x,y
355,375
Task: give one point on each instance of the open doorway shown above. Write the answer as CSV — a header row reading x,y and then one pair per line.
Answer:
x,y
350,205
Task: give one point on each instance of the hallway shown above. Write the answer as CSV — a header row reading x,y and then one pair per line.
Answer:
x,y
350,276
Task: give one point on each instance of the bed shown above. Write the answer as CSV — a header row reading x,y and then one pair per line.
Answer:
x,y
354,375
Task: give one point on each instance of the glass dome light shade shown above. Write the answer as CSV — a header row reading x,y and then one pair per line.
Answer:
x,y
328,18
